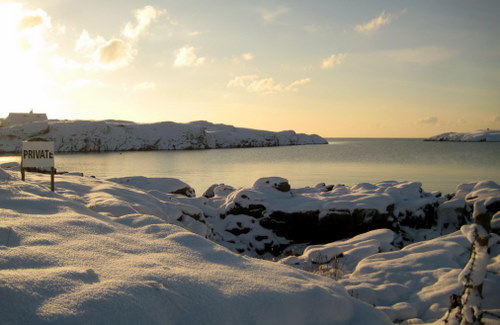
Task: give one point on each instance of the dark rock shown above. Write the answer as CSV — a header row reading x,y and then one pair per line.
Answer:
x,y
341,224
239,231
253,210
296,226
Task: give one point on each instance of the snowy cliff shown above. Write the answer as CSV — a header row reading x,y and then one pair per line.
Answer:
x,y
478,136
96,136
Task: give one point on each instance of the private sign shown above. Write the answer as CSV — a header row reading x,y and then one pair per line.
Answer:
x,y
37,154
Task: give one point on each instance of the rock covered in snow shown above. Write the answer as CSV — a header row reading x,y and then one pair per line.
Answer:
x,y
271,215
97,136
478,136
161,185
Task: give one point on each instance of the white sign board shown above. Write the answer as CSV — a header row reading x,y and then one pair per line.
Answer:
x,y
37,154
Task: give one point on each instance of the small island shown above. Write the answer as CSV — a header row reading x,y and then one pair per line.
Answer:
x,y
477,136
113,135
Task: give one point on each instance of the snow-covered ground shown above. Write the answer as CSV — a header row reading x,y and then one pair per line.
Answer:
x,y
96,136
129,251
477,136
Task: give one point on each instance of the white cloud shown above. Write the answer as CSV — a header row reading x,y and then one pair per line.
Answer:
x,y
147,85
422,55
115,53
374,24
271,14
255,84
247,56
431,120
144,17
186,57
333,60
496,119
86,43
31,27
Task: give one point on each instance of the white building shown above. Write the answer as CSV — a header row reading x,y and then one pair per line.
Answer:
x,y
24,118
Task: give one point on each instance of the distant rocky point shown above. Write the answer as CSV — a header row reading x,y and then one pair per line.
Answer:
x,y
477,136
112,135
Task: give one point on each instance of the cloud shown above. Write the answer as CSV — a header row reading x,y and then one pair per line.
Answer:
x,y
31,27
115,54
34,19
496,119
145,86
431,120
255,84
374,24
144,17
421,55
86,43
247,56
333,60
186,57
270,15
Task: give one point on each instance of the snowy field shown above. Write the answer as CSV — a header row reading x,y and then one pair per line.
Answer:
x,y
129,251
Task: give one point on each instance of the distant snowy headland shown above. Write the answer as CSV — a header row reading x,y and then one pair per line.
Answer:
x,y
478,136
111,135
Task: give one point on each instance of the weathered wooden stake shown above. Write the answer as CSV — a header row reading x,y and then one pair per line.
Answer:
x,y
52,176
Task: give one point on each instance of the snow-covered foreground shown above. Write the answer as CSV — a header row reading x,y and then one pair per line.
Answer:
x,y
477,136
126,251
96,136
63,263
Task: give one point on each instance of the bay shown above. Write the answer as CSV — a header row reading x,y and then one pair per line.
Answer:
x,y
439,166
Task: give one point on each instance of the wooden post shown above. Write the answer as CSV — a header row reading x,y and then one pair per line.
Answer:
x,y
52,176
23,174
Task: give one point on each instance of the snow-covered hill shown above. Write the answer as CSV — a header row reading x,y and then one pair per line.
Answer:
x,y
129,251
95,136
478,136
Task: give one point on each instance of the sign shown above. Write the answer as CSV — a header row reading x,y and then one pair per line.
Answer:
x,y
37,154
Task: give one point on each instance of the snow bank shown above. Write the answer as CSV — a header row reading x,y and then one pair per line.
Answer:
x,y
421,277
86,136
411,285
64,261
478,136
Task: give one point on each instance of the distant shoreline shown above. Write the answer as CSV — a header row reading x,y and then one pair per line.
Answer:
x,y
477,136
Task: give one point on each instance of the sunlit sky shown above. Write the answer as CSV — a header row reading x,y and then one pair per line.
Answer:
x,y
335,68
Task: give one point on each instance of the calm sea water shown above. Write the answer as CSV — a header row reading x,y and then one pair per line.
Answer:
x,y
440,166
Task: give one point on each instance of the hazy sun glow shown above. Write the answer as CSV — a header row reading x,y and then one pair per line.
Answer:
x,y
24,79
369,69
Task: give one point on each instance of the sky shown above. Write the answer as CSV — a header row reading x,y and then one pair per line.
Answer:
x,y
369,68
